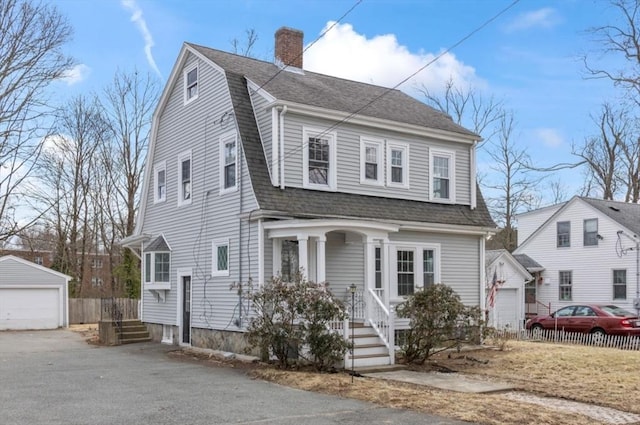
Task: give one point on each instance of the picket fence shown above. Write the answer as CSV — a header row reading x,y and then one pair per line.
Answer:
x,y
624,342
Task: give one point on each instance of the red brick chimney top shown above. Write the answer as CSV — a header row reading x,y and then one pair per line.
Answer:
x,y
289,47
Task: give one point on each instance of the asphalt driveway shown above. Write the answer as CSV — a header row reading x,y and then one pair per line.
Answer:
x,y
54,377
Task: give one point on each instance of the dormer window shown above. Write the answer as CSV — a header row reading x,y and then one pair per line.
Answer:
x,y
319,157
442,172
371,169
190,84
157,264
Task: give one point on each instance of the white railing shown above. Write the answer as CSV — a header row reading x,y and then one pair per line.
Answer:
x,y
356,305
382,320
626,342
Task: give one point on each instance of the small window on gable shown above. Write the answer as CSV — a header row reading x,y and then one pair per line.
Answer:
x,y
220,260
190,84
398,165
564,234
160,182
371,169
228,161
319,159
591,232
442,172
185,178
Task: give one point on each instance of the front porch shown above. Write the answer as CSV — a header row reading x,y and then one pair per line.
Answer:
x,y
354,258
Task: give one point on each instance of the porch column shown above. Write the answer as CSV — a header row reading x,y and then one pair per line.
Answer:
x,y
276,256
385,262
321,274
370,264
303,254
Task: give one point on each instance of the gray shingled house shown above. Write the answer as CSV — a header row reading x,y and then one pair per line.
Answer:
x,y
257,169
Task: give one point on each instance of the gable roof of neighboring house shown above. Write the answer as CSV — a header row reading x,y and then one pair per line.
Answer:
x,y
624,213
491,256
13,258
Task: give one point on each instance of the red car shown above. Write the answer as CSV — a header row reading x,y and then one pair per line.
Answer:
x,y
594,319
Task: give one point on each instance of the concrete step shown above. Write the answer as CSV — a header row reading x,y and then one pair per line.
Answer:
x,y
381,368
134,334
369,360
134,340
367,349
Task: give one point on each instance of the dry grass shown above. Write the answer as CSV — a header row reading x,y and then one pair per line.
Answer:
x,y
606,377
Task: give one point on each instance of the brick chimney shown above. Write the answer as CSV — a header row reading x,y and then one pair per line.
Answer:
x,y
289,47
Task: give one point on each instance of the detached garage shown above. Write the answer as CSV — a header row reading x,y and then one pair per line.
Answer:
x,y
32,296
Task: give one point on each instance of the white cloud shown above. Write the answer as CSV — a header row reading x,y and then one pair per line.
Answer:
x,y
381,60
76,75
542,18
136,17
549,136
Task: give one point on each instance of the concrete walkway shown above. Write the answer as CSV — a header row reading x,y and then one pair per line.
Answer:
x,y
444,381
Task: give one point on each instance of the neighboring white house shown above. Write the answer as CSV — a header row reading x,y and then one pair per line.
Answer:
x,y
587,250
32,296
257,169
509,277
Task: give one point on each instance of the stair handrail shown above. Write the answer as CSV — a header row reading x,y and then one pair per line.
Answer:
x,y
114,312
382,320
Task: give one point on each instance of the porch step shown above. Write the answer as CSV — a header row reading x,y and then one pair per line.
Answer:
x,y
378,369
133,331
368,348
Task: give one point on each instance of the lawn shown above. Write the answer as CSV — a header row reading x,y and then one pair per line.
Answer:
x,y
603,376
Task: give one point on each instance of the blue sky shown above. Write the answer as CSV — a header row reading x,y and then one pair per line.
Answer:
x,y
528,57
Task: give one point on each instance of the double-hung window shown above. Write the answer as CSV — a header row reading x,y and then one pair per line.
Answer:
x,y
160,182
620,284
371,170
417,266
442,172
398,165
228,161
591,232
563,233
185,180
220,254
320,159
428,267
565,285
190,84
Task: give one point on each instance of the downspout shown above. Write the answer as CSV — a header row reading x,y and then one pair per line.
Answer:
x,y
282,113
472,174
240,157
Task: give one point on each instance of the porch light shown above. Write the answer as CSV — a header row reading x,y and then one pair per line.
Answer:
x,y
353,288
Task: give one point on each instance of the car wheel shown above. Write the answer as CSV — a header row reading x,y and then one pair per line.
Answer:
x,y
597,336
536,331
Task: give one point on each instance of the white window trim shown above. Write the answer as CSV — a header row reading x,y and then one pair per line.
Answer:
x,y
160,166
451,155
333,159
405,166
182,157
152,284
223,140
214,257
185,73
379,145
418,269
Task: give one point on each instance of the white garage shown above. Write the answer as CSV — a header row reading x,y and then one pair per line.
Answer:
x,y
32,296
506,278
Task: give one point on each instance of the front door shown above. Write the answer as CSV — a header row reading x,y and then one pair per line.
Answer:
x,y
186,309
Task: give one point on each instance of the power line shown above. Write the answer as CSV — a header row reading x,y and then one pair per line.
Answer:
x,y
422,68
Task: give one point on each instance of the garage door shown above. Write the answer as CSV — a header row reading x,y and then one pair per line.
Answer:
x,y
27,308
506,309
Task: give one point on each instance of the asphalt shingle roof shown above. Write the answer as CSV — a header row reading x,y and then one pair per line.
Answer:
x,y
624,213
527,262
310,88
158,244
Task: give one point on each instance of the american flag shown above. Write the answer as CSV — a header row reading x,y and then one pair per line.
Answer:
x,y
493,290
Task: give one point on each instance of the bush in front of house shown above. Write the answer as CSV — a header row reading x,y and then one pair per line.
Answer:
x,y
291,320
438,320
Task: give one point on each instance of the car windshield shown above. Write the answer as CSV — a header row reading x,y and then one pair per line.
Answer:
x,y
616,311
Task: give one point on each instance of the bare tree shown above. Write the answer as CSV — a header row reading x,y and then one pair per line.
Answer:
x,y
127,107
31,39
245,46
512,188
603,152
468,107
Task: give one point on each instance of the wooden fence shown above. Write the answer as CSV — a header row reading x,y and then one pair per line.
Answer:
x,y
625,342
87,310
